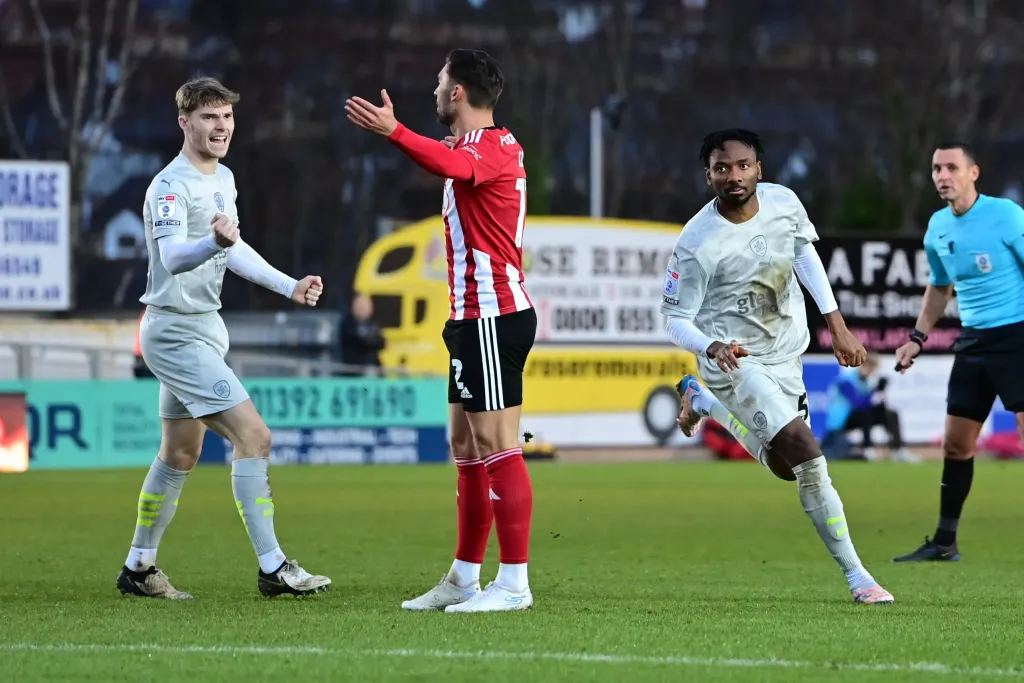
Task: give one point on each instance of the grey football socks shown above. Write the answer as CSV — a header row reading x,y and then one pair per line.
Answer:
x,y
158,501
251,486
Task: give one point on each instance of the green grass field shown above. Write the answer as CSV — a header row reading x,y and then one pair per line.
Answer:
x,y
695,572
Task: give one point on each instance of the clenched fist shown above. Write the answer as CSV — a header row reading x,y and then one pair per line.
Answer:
x,y
225,233
308,290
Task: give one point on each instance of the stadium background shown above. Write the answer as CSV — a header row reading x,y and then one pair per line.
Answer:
x,y
666,571
848,124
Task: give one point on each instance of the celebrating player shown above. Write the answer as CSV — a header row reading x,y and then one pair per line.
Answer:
x,y
976,246
730,298
192,234
491,325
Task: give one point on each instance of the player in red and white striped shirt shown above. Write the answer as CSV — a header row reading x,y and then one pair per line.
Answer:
x,y
491,326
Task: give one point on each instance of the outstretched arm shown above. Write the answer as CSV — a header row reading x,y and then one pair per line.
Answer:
x,y
434,156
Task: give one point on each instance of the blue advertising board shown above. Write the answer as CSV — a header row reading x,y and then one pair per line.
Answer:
x,y
93,424
348,421
919,396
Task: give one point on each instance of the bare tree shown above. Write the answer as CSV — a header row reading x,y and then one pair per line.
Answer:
x,y
100,61
910,74
620,49
10,129
533,76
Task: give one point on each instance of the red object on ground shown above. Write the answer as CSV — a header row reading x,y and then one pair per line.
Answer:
x,y
720,442
1004,445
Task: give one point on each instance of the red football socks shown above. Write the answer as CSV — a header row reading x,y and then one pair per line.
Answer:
x,y
475,513
511,495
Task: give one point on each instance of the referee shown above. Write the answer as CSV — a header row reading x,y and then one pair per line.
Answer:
x,y
976,246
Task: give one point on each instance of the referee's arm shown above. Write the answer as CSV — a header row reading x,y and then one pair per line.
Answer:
x,y
1015,235
936,295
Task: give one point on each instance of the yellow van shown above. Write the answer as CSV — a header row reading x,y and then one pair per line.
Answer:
x,y
601,371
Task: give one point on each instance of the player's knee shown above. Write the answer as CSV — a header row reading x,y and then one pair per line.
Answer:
x,y
487,442
181,457
494,431
181,442
462,444
953,449
495,439
254,441
779,467
794,445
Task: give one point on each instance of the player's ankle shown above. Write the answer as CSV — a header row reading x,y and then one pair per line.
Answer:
x,y
140,559
858,577
513,576
464,574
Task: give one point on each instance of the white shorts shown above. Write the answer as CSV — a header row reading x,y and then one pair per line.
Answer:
x,y
765,397
186,353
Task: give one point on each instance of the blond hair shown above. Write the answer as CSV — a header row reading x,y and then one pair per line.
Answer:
x,y
203,92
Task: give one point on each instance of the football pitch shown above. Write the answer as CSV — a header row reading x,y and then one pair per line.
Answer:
x,y
641,572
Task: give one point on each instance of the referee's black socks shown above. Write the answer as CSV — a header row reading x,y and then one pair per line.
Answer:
x,y
957,476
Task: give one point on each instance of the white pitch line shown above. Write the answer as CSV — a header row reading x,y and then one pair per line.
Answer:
x,y
585,658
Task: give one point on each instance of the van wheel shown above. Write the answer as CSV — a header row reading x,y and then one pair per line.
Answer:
x,y
660,412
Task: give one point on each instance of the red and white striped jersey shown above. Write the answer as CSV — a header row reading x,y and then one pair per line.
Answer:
x,y
483,228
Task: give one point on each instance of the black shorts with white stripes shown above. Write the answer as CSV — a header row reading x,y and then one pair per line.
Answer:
x,y
487,359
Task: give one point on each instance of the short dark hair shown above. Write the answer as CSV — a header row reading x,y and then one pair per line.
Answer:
x,y
717,140
479,74
966,147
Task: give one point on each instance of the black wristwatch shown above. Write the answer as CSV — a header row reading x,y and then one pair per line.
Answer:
x,y
918,338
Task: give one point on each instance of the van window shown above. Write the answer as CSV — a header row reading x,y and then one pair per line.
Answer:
x,y
387,310
396,259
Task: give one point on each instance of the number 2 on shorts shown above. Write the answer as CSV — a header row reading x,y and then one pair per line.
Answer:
x,y
457,364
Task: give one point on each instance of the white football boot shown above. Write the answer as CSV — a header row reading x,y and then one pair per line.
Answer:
x,y
444,594
495,598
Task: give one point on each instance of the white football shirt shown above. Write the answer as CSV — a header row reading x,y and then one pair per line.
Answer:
x,y
736,282
183,201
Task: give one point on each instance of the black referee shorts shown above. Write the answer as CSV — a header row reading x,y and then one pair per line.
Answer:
x,y
988,363
487,359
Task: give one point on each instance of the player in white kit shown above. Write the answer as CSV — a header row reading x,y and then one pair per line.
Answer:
x,y
191,223
732,299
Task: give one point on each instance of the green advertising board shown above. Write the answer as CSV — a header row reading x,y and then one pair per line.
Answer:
x,y
90,424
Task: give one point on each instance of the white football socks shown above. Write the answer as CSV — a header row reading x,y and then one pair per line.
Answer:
x,y
822,504
513,577
464,574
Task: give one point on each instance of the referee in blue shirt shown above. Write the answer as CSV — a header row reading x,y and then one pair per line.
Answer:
x,y
976,246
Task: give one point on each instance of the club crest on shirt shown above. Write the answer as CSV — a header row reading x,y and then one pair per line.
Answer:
x,y
218,199
984,263
759,245
165,205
